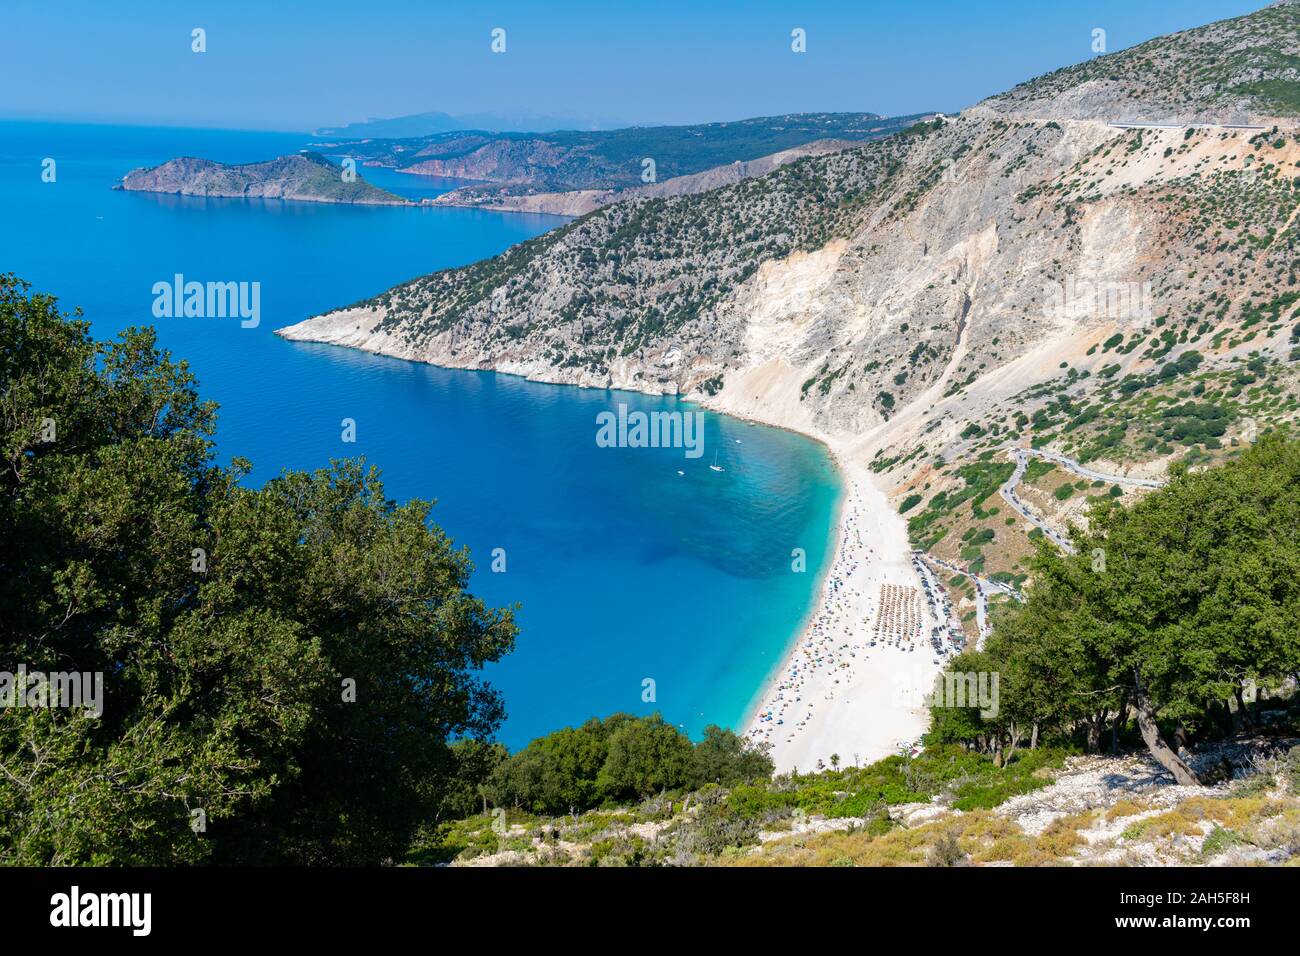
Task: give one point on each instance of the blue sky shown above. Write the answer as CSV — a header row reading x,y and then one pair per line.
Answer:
x,y
292,65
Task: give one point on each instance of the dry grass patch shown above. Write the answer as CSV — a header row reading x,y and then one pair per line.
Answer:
x,y
1062,836
1127,807
1198,816
977,837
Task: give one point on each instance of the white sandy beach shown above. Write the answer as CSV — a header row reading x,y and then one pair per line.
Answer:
x,y
834,692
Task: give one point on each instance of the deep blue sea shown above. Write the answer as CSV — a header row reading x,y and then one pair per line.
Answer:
x,y
624,569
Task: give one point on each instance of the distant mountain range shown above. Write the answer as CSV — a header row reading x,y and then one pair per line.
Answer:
x,y
546,172
427,124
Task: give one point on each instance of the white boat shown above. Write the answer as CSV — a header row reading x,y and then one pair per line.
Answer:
x,y
715,466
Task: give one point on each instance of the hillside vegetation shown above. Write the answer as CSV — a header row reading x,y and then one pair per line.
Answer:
x,y
945,807
1231,71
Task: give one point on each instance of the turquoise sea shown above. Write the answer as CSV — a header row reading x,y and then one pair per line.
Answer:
x,y
624,568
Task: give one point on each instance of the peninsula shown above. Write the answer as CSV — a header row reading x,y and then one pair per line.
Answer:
x,y
304,177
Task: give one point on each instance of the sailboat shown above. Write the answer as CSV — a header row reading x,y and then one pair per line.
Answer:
x,y
715,466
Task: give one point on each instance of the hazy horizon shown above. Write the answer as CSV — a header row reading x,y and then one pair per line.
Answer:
x,y
266,69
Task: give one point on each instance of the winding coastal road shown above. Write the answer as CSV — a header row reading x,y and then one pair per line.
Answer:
x,y
1022,456
1085,472
1008,493
1231,126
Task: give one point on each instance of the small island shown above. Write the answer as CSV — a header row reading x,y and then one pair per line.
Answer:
x,y
306,177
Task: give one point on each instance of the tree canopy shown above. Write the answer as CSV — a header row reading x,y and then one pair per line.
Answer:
x,y
285,668
1170,609
617,759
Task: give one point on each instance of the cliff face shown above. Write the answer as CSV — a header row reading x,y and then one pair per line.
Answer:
x,y
1002,276
304,177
